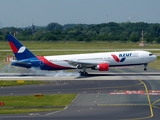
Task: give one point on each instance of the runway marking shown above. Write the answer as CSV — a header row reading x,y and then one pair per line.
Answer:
x,y
122,104
148,97
155,103
106,87
113,87
149,101
156,107
97,88
135,92
14,77
50,113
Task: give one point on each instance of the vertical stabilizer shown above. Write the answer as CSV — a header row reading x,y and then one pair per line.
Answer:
x,y
19,50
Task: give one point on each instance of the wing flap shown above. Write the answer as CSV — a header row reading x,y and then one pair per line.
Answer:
x,y
85,63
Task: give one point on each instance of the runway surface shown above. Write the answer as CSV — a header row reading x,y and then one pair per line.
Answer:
x,y
121,93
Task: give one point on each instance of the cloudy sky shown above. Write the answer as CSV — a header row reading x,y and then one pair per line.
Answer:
x,y
42,12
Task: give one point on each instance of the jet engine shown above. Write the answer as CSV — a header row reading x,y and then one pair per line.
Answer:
x,y
102,67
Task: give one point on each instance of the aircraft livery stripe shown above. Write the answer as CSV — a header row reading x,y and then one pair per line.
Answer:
x,y
115,58
15,50
45,61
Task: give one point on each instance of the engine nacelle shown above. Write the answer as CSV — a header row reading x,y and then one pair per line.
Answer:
x,y
102,67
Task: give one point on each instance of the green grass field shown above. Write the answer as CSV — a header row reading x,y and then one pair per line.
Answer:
x,y
59,48
20,82
26,104
34,45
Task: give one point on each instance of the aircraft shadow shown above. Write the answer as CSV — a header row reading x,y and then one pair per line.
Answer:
x,y
117,74
89,75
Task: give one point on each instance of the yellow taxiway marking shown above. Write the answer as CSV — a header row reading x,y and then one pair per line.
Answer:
x,y
149,100
153,104
148,97
149,104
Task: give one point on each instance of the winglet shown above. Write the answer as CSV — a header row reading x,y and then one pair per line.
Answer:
x,y
19,50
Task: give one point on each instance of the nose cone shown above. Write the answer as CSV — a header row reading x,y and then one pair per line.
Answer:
x,y
154,57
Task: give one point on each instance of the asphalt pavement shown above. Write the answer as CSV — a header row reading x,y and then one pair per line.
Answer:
x,y
132,94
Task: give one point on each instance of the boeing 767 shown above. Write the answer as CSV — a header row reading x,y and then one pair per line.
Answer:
x,y
95,61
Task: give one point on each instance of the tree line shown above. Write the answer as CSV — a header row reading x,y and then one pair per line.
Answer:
x,y
110,32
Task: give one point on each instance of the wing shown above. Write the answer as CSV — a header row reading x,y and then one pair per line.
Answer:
x,y
86,63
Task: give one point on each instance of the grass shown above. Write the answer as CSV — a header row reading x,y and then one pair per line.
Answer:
x,y
33,45
155,64
26,110
26,104
60,48
79,45
5,83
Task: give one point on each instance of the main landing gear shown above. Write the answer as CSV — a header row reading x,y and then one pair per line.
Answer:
x,y
83,73
145,67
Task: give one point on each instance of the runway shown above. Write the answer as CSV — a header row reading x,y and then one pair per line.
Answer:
x,y
122,93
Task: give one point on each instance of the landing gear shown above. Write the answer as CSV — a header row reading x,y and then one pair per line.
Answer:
x,y
83,73
145,67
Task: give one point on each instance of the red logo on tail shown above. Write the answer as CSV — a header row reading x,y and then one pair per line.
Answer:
x,y
15,50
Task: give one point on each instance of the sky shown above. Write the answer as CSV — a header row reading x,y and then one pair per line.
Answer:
x,y
22,13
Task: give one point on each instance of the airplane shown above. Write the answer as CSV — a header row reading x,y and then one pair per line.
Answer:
x,y
95,61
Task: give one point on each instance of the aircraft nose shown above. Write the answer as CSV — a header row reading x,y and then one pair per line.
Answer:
x,y
155,57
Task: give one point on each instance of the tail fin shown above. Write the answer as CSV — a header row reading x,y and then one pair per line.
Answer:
x,y
19,50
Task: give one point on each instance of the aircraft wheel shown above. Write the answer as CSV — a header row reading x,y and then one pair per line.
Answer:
x,y
145,69
83,73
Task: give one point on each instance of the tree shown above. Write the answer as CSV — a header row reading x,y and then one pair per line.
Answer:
x,y
105,32
134,37
80,38
124,36
26,32
1,38
158,40
149,38
54,26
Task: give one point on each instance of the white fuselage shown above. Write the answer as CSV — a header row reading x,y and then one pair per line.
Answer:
x,y
124,58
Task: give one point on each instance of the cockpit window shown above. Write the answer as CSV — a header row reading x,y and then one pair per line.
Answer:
x,y
150,54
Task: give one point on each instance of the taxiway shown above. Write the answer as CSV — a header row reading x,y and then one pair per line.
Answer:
x,y
122,93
